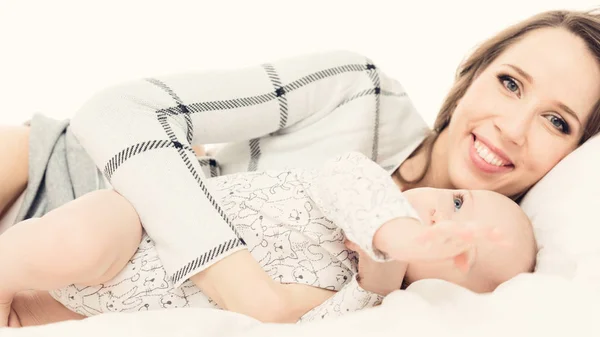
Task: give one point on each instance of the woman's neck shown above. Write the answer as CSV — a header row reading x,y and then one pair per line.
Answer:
x,y
437,175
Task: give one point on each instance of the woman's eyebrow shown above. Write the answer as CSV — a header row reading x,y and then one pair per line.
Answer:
x,y
568,110
521,72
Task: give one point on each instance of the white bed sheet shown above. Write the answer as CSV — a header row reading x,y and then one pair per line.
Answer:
x,y
529,305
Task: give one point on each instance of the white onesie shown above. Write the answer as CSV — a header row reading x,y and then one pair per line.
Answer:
x,y
294,223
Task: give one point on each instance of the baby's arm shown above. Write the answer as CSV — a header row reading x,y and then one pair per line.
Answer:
x,y
86,241
362,199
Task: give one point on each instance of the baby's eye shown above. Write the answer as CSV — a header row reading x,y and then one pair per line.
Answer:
x,y
458,202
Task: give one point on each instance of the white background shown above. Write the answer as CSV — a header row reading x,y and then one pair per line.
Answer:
x,y
55,54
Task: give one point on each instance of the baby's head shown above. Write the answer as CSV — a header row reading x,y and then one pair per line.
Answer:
x,y
496,258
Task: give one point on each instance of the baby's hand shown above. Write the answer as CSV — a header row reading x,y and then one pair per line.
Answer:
x,y
445,240
378,277
410,241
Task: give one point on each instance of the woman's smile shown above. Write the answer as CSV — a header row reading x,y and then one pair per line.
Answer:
x,y
487,158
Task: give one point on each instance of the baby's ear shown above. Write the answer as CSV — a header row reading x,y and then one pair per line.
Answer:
x,y
464,262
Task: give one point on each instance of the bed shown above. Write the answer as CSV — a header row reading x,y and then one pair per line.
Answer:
x,y
529,305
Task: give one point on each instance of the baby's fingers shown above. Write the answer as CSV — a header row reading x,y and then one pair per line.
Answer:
x,y
443,241
351,245
443,245
427,247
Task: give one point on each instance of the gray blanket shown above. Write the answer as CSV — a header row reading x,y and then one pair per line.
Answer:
x,y
59,168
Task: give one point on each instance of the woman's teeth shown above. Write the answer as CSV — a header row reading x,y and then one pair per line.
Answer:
x,y
486,154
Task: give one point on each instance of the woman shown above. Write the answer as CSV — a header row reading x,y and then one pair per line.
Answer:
x,y
518,106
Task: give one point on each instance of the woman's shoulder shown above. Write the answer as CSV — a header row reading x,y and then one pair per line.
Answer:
x,y
341,56
354,66
328,63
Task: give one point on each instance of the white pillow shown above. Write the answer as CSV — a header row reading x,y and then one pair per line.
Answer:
x,y
564,208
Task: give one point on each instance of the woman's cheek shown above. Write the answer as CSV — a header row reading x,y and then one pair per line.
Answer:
x,y
543,154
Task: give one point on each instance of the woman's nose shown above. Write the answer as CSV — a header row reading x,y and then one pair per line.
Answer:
x,y
514,126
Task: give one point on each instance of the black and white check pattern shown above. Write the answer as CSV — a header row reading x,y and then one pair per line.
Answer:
x,y
280,92
145,148
183,109
116,161
187,156
213,168
254,153
374,76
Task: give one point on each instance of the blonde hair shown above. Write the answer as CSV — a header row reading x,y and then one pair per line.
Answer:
x,y
586,25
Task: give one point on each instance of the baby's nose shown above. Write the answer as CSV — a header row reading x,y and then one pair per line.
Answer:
x,y
439,215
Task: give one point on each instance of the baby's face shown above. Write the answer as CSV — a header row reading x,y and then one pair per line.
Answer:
x,y
496,259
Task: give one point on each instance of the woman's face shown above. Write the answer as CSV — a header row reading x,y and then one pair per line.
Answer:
x,y
522,114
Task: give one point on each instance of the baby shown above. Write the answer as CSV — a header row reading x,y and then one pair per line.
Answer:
x,y
297,225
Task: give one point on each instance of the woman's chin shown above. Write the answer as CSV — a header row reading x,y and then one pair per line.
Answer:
x,y
463,177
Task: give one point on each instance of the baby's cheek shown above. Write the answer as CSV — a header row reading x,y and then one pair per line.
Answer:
x,y
422,271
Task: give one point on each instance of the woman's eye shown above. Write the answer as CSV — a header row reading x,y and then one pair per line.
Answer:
x,y
458,202
559,123
509,83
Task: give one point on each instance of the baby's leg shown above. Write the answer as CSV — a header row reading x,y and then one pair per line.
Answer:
x,y
14,168
86,241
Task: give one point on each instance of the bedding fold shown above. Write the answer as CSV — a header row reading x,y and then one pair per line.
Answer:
x,y
59,169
